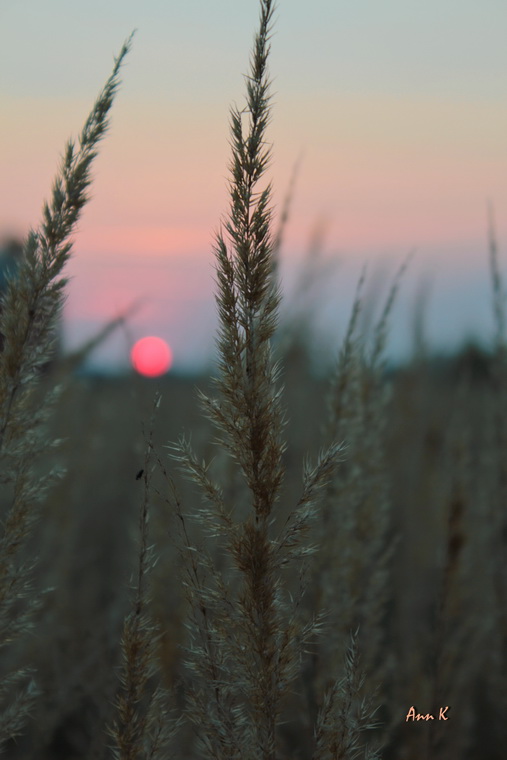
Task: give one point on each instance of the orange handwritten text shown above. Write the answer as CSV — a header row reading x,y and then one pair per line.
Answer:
x,y
414,715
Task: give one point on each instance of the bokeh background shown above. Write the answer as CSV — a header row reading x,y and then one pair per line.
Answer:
x,y
396,111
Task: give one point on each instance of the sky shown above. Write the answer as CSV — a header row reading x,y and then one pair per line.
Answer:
x,y
396,111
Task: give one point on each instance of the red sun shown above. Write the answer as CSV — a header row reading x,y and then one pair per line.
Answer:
x,y
151,356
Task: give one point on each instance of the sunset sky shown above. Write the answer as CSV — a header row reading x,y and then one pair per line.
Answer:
x,y
397,108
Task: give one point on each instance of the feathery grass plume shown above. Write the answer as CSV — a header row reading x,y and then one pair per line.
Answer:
x,y
497,284
420,349
376,514
143,729
246,637
296,336
284,216
497,517
341,739
354,563
29,311
340,396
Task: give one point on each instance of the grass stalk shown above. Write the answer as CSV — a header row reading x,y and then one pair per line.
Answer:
x,y
29,314
249,634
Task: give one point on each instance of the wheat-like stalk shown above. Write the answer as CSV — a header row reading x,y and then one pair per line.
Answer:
x,y
247,636
29,313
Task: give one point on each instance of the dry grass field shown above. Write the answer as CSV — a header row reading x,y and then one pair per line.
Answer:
x,y
260,565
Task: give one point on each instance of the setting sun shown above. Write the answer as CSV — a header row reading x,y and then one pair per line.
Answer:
x,y
151,356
